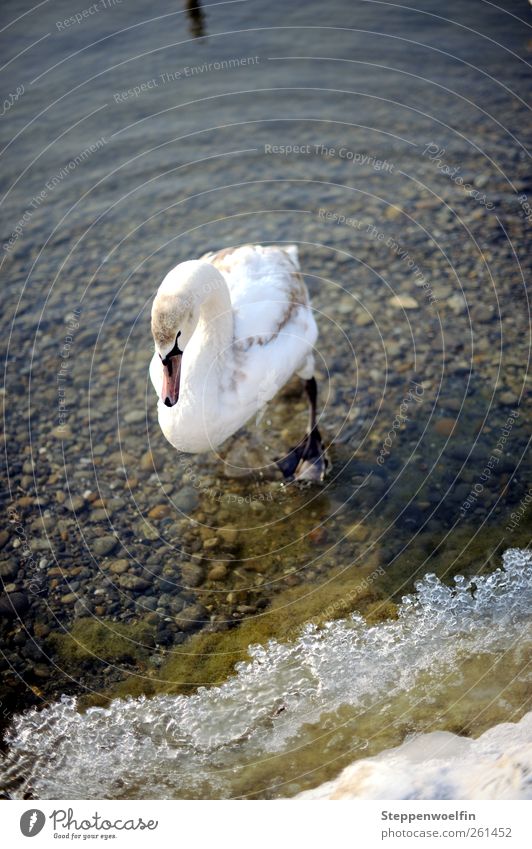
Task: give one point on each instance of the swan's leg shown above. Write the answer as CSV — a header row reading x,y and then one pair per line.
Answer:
x,y
307,461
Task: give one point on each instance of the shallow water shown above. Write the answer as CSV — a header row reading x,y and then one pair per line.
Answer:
x,y
456,657
185,166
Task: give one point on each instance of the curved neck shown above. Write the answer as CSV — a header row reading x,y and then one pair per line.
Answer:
x,y
216,311
210,348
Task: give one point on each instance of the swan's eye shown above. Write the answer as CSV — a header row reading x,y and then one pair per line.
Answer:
x,y
174,352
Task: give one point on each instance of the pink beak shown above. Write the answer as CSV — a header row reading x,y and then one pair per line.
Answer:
x,y
171,378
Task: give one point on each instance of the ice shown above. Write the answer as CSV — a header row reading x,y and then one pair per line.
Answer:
x,y
214,742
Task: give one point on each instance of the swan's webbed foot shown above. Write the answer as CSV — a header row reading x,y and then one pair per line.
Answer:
x,y
307,462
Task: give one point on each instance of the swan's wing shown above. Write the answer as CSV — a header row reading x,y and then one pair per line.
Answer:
x,y
267,289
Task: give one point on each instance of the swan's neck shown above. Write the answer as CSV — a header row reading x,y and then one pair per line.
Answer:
x,y
216,313
212,339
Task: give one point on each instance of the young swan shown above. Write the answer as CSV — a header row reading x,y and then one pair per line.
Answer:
x,y
230,330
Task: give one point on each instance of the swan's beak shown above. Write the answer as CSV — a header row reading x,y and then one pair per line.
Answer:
x,y
171,377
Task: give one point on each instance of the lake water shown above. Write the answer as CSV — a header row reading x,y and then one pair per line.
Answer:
x,y
390,145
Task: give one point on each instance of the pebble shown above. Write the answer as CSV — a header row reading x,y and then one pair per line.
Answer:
x,y
8,569
118,567
69,598
133,582
39,544
217,572
176,604
147,462
318,535
98,515
457,303
405,302
190,617
62,432
229,535
104,545
185,500
445,426
192,575
75,503
146,531
159,511
357,532
134,416
41,671
508,399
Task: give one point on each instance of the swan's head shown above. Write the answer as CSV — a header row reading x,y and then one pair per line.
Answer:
x,y
174,317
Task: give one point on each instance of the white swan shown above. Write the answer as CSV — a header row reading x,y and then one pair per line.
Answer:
x,y
230,330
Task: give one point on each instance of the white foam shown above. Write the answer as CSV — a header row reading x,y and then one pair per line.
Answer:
x,y
222,741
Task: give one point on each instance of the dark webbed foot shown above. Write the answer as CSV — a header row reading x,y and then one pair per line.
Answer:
x,y
307,461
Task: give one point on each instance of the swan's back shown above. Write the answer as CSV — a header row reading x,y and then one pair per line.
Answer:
x,y
267,290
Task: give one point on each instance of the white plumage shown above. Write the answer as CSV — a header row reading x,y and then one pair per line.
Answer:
x,y
245,327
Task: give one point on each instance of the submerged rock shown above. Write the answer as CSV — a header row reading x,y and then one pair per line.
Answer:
x,y
13,605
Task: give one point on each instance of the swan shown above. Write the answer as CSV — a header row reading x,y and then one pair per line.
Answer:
x,y
230,330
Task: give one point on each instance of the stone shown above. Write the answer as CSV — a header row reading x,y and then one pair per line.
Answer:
x,y
69,598
508,399
104,545
217,572
118,567
405,302
147,462
185,500
318,535
357,532
192,575
75,503
41,671
39,544
146,531
98,515
228,534
192,616
176,605
159,511
133,582
445,426
8,569
135,416
62,432
457,303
